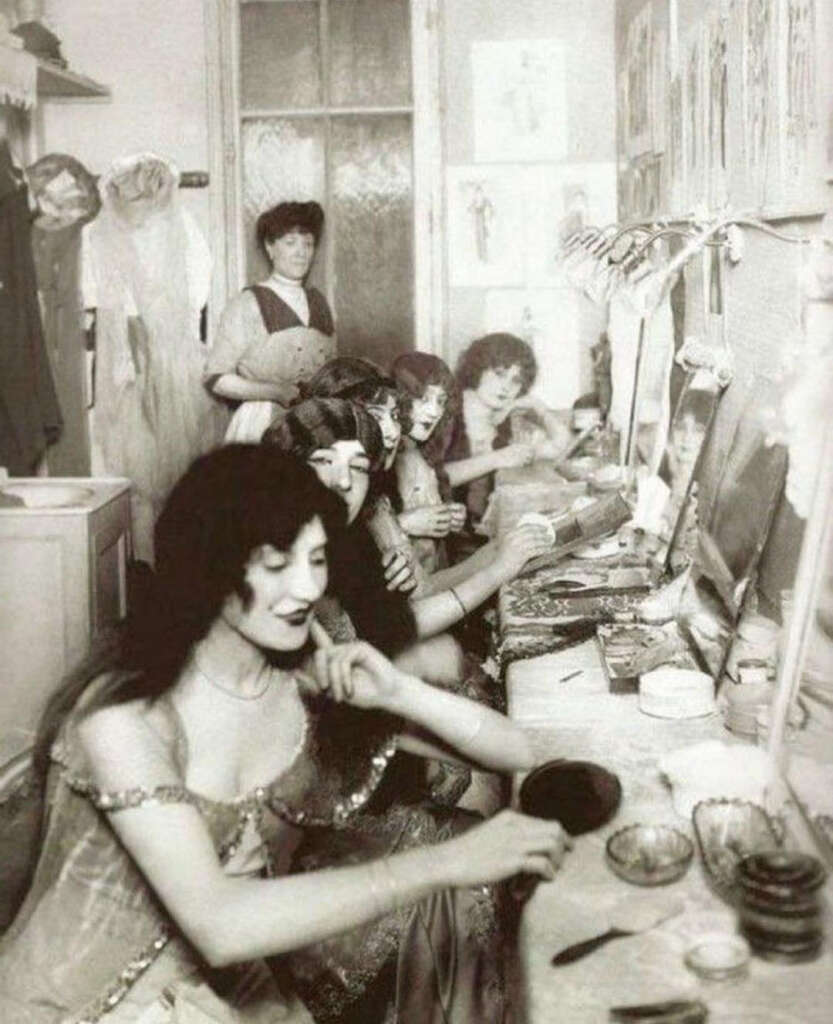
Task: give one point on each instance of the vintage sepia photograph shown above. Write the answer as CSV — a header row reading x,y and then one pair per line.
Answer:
x,y
416,511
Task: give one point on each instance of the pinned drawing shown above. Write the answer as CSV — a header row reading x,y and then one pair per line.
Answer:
x,y
485,227
520,107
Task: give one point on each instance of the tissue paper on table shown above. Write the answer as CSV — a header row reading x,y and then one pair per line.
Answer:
x,y
713,769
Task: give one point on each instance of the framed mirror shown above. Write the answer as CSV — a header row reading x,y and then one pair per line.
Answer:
x,y
801,718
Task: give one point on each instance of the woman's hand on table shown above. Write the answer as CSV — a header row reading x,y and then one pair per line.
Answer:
x,y
427,521
519,545
508,844
399,573
513,455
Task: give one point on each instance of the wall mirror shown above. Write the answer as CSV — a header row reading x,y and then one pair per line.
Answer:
x,y
731,542
801,720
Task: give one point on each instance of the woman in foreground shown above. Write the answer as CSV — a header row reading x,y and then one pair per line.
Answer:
x,y
223,749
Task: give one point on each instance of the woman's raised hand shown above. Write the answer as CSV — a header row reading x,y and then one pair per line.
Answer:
x,y
353,673
514,455
427,521
458,512
518,545
507,844
399,573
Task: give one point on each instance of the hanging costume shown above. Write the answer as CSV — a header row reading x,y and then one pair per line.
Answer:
x,y
147,273
30,418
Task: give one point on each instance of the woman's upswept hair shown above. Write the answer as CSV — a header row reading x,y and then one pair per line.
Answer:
x,y
320,422
353,378
228,504
496,351
285,217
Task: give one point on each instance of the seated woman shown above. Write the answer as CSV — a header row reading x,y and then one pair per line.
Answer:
x,y
494,375
221,749
441,599
275,334
429,399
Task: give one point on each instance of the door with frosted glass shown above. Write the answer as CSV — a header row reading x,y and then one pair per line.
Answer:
x,y
326,114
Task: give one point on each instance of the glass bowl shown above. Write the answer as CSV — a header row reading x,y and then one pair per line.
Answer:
x,y
649,854
727,831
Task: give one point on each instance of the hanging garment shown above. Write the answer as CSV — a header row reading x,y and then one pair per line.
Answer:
x,y
30,418
147,273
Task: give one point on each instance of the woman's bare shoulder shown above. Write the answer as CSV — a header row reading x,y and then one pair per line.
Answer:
x,y
133,743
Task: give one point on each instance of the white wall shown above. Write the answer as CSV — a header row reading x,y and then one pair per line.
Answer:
x,y
586,30
152,56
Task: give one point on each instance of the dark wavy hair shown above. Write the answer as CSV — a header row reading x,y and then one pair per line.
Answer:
x,y
351,377
228,503
319,423
285,217
413,373
496,351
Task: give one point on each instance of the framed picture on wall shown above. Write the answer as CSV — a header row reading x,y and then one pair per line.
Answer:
x,y
485,226
760,20
639,71
693,89
520,101
716,108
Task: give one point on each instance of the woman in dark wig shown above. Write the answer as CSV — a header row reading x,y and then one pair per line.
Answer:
x,y
276,334
199,783
430,399
494,375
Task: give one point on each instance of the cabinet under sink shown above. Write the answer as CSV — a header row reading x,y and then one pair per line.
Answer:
x,y
64,549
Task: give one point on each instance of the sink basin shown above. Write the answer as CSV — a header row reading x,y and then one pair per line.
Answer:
x,y
47,494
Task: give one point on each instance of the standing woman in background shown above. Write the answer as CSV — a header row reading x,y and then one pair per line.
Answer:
x,y
276,334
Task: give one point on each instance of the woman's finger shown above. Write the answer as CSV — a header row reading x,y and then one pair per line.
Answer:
x,y
321,662
320,637
539,864
402,581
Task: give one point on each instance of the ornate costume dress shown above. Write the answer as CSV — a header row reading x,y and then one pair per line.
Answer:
x,y
92,943
279,332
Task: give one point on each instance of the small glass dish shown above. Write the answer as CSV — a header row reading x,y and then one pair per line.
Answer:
x,y
649,854
718,956
727,831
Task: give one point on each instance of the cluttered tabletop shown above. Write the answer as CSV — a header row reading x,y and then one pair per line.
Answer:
x,y
610,651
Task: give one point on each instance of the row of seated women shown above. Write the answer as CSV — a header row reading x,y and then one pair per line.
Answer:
x,y
244,817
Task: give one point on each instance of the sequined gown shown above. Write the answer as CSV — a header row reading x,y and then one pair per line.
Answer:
x,y
92,943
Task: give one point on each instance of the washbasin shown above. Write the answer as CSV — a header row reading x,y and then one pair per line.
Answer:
x,y
46,494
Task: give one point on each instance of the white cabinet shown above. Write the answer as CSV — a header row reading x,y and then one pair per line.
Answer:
x,y
63,566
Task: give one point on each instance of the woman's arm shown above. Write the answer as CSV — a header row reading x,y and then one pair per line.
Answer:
x,y
502,562
231,919
464,470
240,389
358,674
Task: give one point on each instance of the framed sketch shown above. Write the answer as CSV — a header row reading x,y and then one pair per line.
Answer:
x,y
760,21
693,89
639,67
559,201
485,226
716,105
799,101
520,104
